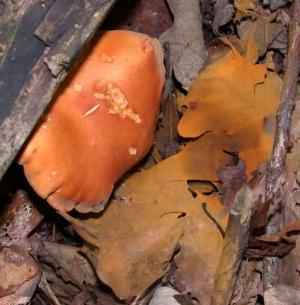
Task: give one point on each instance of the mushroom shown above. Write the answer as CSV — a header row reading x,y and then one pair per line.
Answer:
x,y
100,124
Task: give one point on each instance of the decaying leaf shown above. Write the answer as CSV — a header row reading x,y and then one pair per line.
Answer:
x,y
274,4
168,296
19,272
185,37
234,95
18,220
201,248
66,260
223,12
153,212
232,179
47,290
19,275
257,36
95,296
276,244
282,295
248,285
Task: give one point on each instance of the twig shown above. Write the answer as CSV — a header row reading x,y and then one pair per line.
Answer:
x,y
276,165
235,242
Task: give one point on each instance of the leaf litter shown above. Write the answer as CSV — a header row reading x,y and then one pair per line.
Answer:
x,y
169,222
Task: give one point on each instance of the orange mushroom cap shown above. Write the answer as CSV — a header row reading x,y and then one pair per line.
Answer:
x,y
101,123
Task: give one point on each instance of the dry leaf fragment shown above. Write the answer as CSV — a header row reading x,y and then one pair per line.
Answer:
x,y
245,8
275,4
187,46
223,11
276,244
257,36
169,296
18,220
201,248
248,285
282,295
19,272
95,296
46,288
223,83
67,262
19,276
232,179
136,240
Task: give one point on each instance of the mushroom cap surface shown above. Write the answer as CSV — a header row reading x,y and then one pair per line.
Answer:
x,y
100,124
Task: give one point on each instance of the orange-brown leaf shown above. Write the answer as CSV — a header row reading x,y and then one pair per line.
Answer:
x,y
244,8
235,96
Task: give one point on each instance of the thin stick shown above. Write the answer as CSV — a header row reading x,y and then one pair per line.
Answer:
x,y
276,165
235,242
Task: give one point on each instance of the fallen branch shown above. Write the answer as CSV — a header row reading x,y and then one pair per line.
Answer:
x,y
235,242
276,166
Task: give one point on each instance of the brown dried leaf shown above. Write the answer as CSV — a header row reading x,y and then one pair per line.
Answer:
x,y
245,8
282,235
168,296
19,276
67,261
282,295
46,288
167,135
18,220
249,284
185,37
257,36
201,249
223,12
95,296
276,244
